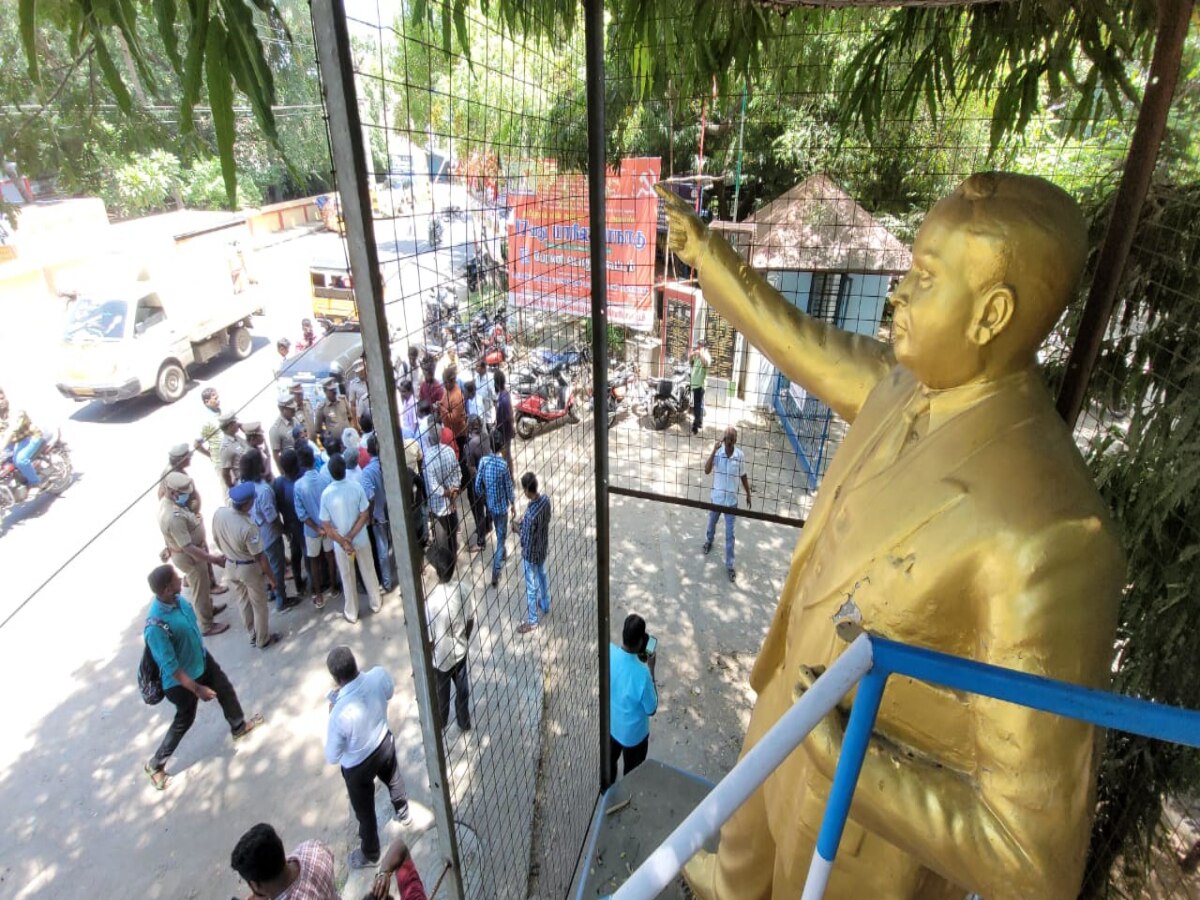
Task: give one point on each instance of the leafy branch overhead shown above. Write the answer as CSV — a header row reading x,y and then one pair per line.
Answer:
x,y
208,43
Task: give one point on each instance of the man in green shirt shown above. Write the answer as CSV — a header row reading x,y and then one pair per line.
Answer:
x,y
700,361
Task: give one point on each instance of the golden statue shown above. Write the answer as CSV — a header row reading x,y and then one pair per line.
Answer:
x,y
957,515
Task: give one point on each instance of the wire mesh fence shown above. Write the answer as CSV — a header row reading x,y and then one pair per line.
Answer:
x,y
465,164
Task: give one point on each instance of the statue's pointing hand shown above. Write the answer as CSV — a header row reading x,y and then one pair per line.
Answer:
x,y
686,234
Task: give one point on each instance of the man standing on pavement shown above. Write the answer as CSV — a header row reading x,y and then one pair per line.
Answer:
x,y
372,485
700,360
535,547
333,413
633,697
451,621
265,514
726,464
485,391
246,568
443,479
357,393
233,446
307,874
473,454
179,458
360,742
317,544
453,408
408,409
344,513
284,486
494,482
188,671
504,416
430,391
183,533
257,440
209,442
304,409
280,435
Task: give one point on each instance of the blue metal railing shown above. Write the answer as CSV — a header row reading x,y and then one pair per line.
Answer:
x,y
868,662
807,428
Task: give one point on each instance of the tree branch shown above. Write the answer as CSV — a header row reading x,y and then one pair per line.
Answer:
x,y
58,90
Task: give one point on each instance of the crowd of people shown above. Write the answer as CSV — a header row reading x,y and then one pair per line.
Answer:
x,y
304,499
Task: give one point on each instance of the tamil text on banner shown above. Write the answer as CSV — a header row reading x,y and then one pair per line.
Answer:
x,y
548,253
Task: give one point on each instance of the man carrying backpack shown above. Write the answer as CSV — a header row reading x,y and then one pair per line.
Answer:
x,y
188,672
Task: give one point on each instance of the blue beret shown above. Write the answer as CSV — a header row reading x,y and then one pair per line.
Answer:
x,y
241,492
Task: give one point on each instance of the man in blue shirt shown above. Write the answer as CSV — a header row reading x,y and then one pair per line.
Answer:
x,y
189,673
494,481
633,698
360,742
265,514
307,493
535,547
372,483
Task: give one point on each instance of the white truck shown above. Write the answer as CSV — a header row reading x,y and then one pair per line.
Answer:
x,y
124,338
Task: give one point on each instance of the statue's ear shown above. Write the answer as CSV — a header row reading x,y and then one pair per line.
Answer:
x,y
994,311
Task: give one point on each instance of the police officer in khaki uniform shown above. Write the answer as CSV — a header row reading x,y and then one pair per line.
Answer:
x,y
233,445
246,568
183,531
304,409
280,435
333,413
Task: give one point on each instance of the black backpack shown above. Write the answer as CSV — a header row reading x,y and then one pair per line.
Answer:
x,y
148,676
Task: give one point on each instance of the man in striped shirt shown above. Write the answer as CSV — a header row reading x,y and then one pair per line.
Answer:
x,y
443,479
535,546
494,481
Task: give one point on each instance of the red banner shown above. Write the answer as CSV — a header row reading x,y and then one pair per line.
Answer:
x,y
548,251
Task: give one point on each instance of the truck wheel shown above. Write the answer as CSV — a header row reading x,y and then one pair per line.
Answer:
x,y
171,383
239,342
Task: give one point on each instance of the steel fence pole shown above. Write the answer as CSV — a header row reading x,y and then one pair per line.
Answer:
x,y
349,157
597,171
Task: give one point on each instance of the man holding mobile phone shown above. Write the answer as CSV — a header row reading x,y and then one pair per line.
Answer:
x,y
633,697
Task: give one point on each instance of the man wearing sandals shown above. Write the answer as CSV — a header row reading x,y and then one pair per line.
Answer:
x,y
189,673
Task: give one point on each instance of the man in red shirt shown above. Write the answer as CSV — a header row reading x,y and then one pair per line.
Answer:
x,y
430,391
305,875
397,861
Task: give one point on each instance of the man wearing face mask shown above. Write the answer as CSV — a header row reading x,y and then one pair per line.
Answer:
x,y
183,533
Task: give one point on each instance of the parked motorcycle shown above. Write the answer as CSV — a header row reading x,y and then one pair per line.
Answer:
x,y
53,465
673,397
552,400
625,391
570,357
435,231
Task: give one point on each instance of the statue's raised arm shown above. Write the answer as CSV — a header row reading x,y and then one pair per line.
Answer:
x,y
839,367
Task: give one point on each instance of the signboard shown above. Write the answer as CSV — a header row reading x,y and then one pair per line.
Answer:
x,y
721,340
548,256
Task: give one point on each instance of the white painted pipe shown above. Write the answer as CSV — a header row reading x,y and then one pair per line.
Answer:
x,y
664,864
818,877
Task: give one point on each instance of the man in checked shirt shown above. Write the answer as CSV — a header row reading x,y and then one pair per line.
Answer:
x,y
443,479
535,546
494,481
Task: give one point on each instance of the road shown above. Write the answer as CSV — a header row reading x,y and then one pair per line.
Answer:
x,y
76,733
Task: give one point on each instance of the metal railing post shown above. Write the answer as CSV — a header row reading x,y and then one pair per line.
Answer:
x,y
597,177
349,156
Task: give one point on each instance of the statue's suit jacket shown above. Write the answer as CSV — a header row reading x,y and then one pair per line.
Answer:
x,y
985,539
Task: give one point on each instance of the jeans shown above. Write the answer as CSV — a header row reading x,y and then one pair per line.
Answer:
x,y
500,520
456,674
277,560
23,453
383,546
536,583
730,519
185,703
634,756
697,409
360,785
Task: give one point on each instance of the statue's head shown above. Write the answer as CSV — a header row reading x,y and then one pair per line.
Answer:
x,y
994,265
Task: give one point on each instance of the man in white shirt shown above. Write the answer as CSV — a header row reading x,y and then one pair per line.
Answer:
x,y
360,741
345,512
727,464
451,621
485,393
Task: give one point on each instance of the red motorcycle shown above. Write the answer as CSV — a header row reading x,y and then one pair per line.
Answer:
x,y
53,464
551,401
